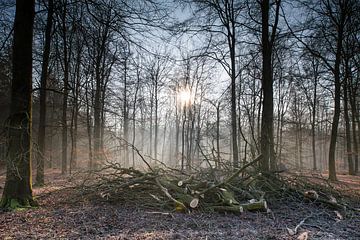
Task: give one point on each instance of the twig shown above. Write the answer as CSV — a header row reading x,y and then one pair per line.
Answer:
x,y
294,232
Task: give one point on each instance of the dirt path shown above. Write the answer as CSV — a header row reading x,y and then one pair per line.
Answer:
x,y
61,216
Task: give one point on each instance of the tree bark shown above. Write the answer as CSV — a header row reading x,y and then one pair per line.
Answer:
x,y
43,84
126,114
17,190
347,127
267,129
337,97
313,115
231,35
354,120
65,93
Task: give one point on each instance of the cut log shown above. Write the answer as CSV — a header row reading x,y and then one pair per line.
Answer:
x,y
194,203
251,206
186,181
259,205
234,208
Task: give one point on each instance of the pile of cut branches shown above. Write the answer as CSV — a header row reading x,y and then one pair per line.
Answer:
x,y
243,189
176,190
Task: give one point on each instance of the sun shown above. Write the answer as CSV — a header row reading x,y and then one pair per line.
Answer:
x,y
184,96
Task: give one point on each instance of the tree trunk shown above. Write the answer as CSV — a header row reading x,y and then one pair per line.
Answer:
x,y
353,123
347,128
43,85
313,117
267,136
337,98
177,135
126,115
217,165
231,43
156,120
17,190
65,94
151,121
97,113
73,160
134,114
89,126
183,139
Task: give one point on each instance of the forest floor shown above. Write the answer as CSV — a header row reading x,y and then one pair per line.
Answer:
x,y
63,215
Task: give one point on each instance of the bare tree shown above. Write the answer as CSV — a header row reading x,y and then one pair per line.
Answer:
x,y
18,189
267,118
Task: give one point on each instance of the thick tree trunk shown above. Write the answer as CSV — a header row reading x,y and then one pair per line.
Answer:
x,y
17,190
267,136
43,85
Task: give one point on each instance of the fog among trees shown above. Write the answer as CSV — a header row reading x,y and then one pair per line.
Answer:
x,y
188,85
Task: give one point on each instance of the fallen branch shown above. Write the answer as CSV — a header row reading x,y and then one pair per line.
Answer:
x,y
258,205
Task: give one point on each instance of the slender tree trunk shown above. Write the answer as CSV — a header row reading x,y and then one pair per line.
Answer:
x,y
337,99
353,124
134,115
89,126
73,161
347,128
218,135
231,43
51,131
126,115
43,84
301,145
313,118
151,122
17,191
156,120
164,144
183,140
177,135
65,93
72,139
297,159
98,103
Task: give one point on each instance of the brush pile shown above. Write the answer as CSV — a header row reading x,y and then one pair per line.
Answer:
x,y
171,189
243,189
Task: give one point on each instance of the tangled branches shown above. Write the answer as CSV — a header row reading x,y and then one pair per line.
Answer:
x,y
206,190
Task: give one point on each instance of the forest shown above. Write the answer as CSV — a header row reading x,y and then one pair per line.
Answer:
x,y
179,119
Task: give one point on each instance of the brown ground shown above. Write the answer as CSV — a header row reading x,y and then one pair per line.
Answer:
x,y
62,216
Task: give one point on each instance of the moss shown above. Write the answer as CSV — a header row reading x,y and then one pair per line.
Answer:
x,y
38,184
17,204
